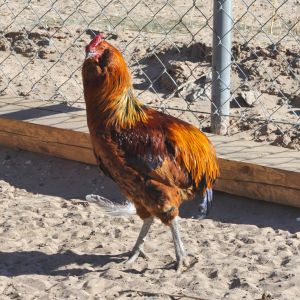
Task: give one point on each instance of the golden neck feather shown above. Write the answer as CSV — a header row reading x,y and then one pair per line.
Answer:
x,y
109,96
124,111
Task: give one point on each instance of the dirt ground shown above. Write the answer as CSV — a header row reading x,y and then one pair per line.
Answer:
x,y
55,246
168,47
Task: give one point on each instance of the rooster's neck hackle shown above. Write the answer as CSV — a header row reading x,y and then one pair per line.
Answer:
x,y
124,111
111,102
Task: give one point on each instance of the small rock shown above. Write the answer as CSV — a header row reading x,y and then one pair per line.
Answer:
x,y
281,247
266,296
236,282
247,240
4,45
44,42
249,97
245,87
281,101
285,261
296,101
286,139
191,92
87,223
117,233
269,128
42,54
213,274
296,64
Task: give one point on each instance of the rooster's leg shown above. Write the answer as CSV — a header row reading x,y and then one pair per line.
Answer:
x,y
181,256
139,244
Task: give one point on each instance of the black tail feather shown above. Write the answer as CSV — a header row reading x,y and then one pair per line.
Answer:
x,y
206,204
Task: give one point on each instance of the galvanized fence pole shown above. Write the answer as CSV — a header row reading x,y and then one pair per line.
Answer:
x,y
221,66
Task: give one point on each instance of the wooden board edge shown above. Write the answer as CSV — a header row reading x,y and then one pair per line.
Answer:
x,y
260,191
66,151
45,132
234,179
244,171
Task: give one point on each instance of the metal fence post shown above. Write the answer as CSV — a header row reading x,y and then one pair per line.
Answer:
x,y
221,66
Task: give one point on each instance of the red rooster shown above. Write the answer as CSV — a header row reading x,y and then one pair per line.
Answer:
x,y
157,160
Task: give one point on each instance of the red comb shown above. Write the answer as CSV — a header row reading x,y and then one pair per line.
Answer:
x,y
96,41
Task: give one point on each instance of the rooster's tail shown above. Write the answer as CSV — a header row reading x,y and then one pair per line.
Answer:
x,y
111,208
206,204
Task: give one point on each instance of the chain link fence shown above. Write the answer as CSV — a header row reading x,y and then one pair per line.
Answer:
x,y
168,46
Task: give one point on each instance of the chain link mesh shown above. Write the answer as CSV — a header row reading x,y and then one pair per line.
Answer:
x,y
168,46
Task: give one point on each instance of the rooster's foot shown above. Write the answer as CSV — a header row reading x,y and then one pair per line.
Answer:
x,y
182,264
185,262
134,254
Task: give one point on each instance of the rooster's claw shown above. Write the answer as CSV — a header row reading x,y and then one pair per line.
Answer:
x,y
185,263
134,254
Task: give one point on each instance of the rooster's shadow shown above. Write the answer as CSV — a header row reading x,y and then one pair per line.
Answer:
x,y
57,264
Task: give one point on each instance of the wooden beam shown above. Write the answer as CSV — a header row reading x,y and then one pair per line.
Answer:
x,y
259,182
248,169
38,143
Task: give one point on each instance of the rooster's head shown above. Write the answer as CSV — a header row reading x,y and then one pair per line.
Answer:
x,y
104,66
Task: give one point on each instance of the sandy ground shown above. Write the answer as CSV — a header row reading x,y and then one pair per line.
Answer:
x,y
54,246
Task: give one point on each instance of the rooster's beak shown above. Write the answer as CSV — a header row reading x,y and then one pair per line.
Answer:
x,y
90,54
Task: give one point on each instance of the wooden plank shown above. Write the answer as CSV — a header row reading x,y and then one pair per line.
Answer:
x,y
259,191
248,169
259,182
242,172
45,133
48,146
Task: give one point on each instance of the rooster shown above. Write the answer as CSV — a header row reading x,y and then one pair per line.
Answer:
x,y
157,160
